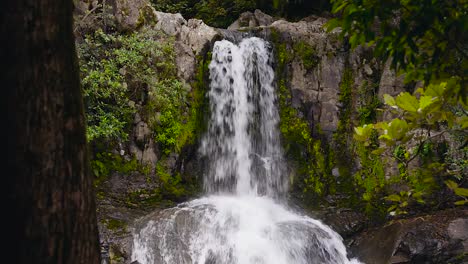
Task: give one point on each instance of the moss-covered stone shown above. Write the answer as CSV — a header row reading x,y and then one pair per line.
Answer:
x,y
115,224
307,53
304,146
342,137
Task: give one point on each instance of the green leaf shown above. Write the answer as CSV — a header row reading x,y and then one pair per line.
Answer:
x,y
425,101
378,151
436,90
397,129
340,6
461,192
451,184
393,198
389,100
407,102
463,121
332,24
461,202
363,133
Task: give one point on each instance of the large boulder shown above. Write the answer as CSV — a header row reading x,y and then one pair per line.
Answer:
x,y
171,24
437,238
130,14
193,39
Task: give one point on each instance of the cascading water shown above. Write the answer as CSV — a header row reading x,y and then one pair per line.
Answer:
x,y
241,221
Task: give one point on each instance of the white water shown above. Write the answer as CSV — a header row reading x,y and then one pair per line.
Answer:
x,y
241,221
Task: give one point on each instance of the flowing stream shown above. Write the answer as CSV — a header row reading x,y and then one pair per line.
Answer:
x,y
242,220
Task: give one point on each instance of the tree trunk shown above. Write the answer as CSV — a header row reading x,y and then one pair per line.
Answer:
x,y
49,189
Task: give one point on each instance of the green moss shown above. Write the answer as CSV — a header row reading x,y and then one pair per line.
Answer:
x,y
369,103
342,136
310,156
197,120
104,163
115,224
370,178
146,17
307,53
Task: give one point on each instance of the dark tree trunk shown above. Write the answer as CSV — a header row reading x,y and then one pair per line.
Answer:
x,y
49,190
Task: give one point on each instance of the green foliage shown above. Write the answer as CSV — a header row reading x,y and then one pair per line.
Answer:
x,y
369,103
425,40
110,63
123,74
167,98
144,61
341,137
459,191
105,95
307,53
171,185
424,117
222,13
171,188
213,12
105,162
370,177
345,99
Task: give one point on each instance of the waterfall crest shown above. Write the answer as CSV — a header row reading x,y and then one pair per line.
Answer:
x,y
240,221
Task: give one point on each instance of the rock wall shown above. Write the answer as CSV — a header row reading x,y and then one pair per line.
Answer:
x,y
316,90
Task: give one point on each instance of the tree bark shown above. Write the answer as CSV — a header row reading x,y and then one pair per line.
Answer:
x,y
51,216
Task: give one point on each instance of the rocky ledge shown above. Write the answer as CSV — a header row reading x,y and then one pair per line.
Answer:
x,y
441,237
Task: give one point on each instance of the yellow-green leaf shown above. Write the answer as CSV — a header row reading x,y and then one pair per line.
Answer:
x,y
451,184
425,101
378,151
397,129
461,202
461,192
463,121
407,102
393,198
389,100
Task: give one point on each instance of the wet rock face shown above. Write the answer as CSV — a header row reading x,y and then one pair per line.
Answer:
x,y
116,213
438,238
345,222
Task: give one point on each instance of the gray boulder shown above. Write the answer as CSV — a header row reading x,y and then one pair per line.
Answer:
x,y
437,238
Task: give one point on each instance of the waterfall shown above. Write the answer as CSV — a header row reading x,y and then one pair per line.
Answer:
x,y
241,220
242,144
